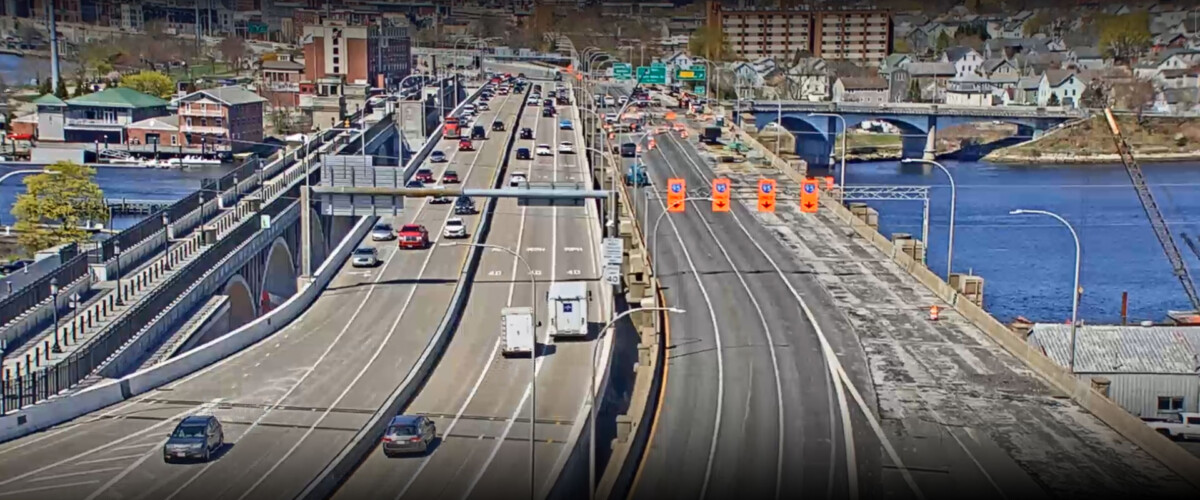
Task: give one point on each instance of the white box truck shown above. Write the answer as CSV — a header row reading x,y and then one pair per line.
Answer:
x,y
567,305
516,331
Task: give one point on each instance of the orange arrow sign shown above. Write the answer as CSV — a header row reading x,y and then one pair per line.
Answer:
x,y
766,195
720,195
809,196
676,193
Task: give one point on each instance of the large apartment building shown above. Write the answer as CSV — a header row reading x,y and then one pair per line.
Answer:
x,y
856,35
376,55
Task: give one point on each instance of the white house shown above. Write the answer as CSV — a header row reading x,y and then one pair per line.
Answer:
x,y
1178,100
994,68
679,60
1086,58
970,90
1166,61
861,89
965,59
808,80
1060,87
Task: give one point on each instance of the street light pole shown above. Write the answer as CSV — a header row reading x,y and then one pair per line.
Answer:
x,y
593,390
654,232
54,307
845,131
1075,290
306,218
953,200
532,357
117,253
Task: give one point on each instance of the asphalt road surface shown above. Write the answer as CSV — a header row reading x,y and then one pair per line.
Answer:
x,y
290,403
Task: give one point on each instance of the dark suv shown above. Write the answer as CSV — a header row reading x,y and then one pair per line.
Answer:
x,y
464,205
498,126
196,437
523,154
527,133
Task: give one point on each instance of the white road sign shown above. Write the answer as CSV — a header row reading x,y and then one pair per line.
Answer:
x,y
612,275
614,251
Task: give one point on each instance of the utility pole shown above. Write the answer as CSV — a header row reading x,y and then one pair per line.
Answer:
x,y
54,76
197,5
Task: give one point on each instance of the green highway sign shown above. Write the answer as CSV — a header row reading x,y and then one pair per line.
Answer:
x,y
256,28
655,74
700,90
695,73
622,71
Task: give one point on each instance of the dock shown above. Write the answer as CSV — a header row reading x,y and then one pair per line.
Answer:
x,y
124,206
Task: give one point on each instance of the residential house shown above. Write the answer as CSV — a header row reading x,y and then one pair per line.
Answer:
x,y
50,110
808,80
970,90
1169,60
931,78
280,82
1177,78
102,116
1038,62
160,130
919,41
1178,100
1063,87
679,60
1151,370
1007,48
1169,40
229,117
1086,58
863,89
966,60
1026,91
899,84
894,61
998,68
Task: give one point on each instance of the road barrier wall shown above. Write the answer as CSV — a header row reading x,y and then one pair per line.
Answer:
x,y
64,408
331,477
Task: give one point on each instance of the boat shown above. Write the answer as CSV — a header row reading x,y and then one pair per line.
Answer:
x,y
194,161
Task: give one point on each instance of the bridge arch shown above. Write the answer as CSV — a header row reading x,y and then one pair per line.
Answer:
x,y
279,272
242,306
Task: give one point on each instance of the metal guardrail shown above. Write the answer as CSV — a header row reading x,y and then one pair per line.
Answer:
x,y
917,109
17,303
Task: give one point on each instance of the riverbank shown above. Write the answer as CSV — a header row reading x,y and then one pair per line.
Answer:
x,y
1157,139
865,146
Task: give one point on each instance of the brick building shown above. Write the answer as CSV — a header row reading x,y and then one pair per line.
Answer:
x,y
375,55
857,35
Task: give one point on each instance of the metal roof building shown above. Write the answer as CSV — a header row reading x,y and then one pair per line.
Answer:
x,y
1152,370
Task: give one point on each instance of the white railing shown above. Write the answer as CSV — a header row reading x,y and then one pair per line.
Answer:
x,y
93,122
185,112
204,130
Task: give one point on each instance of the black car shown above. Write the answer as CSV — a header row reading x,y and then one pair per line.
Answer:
x,y
548,111
498,126
464,205
527,133
523,154
196,437
477,132
564,100
628,150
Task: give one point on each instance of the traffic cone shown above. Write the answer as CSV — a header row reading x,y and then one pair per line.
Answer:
x,y
933,313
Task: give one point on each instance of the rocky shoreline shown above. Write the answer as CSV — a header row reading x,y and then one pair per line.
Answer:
x,y
1079,159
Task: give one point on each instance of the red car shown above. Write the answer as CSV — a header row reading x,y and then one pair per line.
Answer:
x,y
450,177
465,145
413,236
424,175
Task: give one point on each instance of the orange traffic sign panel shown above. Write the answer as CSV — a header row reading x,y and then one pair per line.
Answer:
x,y
720,195
670,115
829,182
809,196
766,195
676,194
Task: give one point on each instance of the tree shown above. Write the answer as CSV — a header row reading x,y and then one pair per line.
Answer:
x,y
45,87
1053,100
943,42
1036,23
1134,95
80,88
1093,96
914,90
710,43
150,82
489,27
1124,37
61,91
233,50
65,199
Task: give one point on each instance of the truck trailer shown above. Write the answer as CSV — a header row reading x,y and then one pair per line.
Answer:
x,y
516,331
566,303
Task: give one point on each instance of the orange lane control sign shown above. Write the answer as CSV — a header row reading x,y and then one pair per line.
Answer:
x,y
676,193
809,196
766,195
720,195
829,182
670,115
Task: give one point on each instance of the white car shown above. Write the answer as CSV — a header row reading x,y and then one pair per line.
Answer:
x,y
365,257
532,101
566,147
383,232
517,179
483,106
544,150
468,109
622,100
455,228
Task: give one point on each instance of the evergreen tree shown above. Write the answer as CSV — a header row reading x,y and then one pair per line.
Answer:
x,y
80,88
61,91
914,90
45,87
1053,101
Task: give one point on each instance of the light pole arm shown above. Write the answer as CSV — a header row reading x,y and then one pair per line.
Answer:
x,y
28,171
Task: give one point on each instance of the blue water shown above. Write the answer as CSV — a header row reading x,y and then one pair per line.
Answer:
x,y
1028,260
17,70
118,182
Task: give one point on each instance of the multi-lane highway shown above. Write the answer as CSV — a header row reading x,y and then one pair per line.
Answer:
x,y
750,406
478,399
290,403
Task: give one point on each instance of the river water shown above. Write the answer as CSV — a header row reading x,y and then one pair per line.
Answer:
x,y
1028,261
16,70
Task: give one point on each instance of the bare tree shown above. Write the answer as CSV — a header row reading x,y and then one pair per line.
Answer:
x,y
233,50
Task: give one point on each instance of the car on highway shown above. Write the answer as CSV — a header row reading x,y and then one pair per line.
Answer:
x,y
517,179
424,175
408,434
527,133
437,157
414,184
383,232
564,124
464,205
609,101
478,132
466,145
523,154
455,228
503,90
196,437
365,257
468,108
450,177
544,150
566,147
622,100
547,111
497,126
628,150
533,100
563,100
549,103
413,236
483,105
440,198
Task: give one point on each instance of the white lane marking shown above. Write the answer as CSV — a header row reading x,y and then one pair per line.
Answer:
x,y
110,459
494,272
536,272
488,366
44,488
74,474
766,329
535,249
832,359
573,272
574,249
